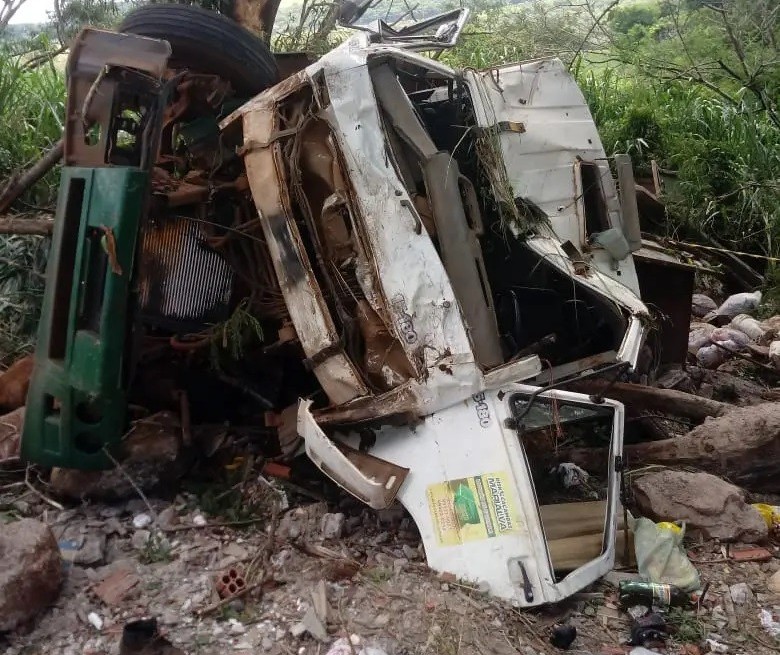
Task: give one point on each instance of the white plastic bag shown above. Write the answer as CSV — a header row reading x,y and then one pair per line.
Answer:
x,y
748,325
699,336
727,336
711,356
774,353
740,303
660,556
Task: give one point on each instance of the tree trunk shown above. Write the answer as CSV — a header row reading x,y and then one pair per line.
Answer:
x,y
742,446
18,184
17,225
664,401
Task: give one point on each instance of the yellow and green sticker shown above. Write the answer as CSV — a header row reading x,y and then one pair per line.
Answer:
x,y
472,509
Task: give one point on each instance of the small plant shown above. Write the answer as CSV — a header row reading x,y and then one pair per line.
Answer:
x,y
156,549
378,575
689,628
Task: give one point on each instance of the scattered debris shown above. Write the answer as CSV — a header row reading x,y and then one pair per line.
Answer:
x,y
31,573
115,587
774,582
11,425
740,593
563,636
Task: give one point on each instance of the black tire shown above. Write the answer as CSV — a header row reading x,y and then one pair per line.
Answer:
x,y
207,42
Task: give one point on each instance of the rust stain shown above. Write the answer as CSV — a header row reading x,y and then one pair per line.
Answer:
x,y
109,243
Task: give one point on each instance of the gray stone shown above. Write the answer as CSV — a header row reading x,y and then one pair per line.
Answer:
x,y
774,583
705,502
409,552
740,593
267,644
92,551
167,518
31,571
332,526
140,539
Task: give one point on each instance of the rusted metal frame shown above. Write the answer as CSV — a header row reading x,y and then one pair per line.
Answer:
x,y
279,164
377,299
350,331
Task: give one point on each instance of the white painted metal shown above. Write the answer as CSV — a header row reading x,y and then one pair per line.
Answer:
x,y
470,439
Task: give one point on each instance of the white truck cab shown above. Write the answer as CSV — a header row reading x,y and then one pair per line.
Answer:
x,y
440,238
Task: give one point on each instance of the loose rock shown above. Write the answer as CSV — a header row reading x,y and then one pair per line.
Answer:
x,y
740,593
150,457
31,572
332,526
705,502
774,583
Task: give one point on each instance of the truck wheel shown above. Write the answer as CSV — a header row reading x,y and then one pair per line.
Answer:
x,y
207,42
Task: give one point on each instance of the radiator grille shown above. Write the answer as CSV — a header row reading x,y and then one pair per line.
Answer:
x,y
183,283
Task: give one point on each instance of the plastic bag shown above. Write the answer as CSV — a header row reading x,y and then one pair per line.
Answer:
x,y
774,353
712,356
725,335
660,556
748,325
740,303
699,336
702,305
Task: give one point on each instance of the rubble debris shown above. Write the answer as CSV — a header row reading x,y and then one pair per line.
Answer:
x,y
332,526
142,520
142,637
15,382
770,622
149,455
31,573
312,624
701,305
563,636
741,593
83,549
115,587
749,554
229,582
95,620
303,522
773,584
743,444
703,501
11,425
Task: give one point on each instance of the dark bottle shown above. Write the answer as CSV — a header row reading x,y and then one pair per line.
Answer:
x,y
639,592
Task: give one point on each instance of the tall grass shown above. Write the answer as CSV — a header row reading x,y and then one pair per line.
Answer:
x,y
32,106
32,109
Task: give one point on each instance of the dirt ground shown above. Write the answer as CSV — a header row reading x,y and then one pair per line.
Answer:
x,y
374,578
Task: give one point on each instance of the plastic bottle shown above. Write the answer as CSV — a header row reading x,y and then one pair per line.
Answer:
x,y
639,592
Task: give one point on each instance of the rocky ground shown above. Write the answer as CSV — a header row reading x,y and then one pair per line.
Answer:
x,y
354,575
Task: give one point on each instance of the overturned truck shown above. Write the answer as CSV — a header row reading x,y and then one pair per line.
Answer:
x,y
379,260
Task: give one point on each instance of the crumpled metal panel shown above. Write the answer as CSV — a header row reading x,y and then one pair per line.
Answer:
x,y
558,129
182,282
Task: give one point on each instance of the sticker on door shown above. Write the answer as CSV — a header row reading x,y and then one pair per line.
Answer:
x,y
473,509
